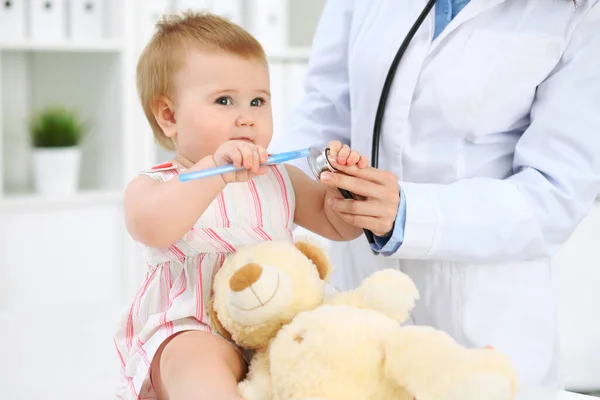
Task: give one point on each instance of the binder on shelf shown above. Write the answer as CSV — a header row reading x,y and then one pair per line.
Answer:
x,y
87,19
48,20
12,20
268,22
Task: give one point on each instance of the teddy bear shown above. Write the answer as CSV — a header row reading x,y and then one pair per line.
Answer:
x,y
271,298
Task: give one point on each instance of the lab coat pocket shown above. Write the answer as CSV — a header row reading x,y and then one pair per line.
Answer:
x,y
516,65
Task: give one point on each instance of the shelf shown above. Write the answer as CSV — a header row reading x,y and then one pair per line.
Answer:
x,y
15,203
100,46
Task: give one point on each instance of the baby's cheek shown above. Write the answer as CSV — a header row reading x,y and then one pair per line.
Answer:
x,y
264,136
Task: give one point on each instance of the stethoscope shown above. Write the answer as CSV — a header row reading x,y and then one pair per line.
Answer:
x,y
318,160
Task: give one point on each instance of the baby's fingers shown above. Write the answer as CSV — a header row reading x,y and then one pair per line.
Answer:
x,y
334,147
353,158
255,160
247,156
363,162
262,153
236,157
343,154
259,171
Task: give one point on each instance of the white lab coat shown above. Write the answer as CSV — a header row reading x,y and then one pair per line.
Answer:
x,y
492,191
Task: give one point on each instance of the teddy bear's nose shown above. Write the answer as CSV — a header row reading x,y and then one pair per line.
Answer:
x,y
244,277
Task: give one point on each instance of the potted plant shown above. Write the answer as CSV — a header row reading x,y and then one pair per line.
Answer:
x,y
56,133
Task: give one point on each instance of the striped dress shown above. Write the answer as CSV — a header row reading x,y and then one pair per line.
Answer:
x,y
177,286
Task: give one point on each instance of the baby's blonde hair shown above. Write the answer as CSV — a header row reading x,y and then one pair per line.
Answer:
x,y
164,55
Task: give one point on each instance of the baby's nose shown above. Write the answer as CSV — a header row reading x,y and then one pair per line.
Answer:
x,y
244,277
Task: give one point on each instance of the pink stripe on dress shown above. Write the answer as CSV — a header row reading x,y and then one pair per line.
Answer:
x,y
200,235
228,247
284,193
135,309
223,210
199,291
167,285
177,252
258,212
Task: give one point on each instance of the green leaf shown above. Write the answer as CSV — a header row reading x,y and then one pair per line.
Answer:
x,y
56,127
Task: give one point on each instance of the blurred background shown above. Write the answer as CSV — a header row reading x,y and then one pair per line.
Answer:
x,y
72,134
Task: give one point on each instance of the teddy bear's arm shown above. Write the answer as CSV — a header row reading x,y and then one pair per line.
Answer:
x,y
257,384
388,291
431,365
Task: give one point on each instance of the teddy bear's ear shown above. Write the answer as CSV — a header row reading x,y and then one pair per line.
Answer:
x,y
215,323
317,256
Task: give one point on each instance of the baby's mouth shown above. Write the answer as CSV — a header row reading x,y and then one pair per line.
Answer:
x,y
244,139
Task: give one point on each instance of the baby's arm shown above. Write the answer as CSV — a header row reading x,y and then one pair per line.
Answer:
x,y
160,213
312,209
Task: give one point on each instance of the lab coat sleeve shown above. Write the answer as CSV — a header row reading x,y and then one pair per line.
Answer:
x,y
324,112
555,181
390,244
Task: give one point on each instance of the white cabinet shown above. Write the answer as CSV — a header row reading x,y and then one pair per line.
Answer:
x,y
60,290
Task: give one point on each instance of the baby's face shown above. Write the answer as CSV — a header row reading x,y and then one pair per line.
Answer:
x,y
219,97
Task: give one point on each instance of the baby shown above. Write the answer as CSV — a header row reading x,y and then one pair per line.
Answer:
x,y
204,87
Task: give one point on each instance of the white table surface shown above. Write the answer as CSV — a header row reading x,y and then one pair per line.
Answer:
x,y
548,394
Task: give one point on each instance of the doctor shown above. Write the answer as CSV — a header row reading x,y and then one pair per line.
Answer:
x,y
489,156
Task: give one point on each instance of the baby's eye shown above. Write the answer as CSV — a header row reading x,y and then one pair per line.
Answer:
x,y
225,101
257,102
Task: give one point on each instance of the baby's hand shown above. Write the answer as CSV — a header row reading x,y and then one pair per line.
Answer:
x,y
241,154
342,155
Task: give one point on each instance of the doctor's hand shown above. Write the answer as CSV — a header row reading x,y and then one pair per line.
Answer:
x,y
378,197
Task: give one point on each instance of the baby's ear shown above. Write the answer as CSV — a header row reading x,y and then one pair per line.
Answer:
x,y
317,256
164,114
215,323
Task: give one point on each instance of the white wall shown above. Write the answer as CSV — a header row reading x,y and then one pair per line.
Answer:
x,y
579,306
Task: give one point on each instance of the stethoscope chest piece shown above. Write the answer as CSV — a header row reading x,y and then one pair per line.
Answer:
x,y
318,161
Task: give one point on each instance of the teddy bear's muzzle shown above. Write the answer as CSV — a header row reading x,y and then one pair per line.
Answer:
x,y
258,293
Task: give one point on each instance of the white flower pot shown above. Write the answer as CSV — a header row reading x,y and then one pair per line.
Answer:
x,y
56,170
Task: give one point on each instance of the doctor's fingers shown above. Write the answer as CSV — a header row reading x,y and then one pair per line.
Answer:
x,y
379,226
367,208
355,185
371,174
